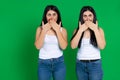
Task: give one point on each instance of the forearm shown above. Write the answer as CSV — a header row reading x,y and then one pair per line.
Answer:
x,y
75,40
62,41
39,42
100,40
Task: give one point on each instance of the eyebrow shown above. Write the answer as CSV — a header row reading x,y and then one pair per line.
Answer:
x,y
90,14
86,15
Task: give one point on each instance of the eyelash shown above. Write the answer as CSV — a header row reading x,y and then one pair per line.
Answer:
x,y
86,15
50,14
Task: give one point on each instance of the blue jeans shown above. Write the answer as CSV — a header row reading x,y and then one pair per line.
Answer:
x,y
52,69
89,70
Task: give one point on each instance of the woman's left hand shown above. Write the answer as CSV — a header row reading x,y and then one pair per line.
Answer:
x,y
91,25
55,26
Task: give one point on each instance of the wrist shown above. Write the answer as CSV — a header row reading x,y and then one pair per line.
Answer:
x,y
80,30
43,31
95,30
57,29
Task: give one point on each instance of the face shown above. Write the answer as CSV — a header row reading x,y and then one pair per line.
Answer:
x,y
51,15
88,16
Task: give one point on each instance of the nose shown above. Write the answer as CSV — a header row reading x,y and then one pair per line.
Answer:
x,y
51,18
87,18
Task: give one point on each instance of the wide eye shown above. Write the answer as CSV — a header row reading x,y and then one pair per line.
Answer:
x,y
54,14
90,15
84,16
48,14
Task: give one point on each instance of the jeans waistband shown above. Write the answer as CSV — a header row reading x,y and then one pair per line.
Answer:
x,y
87,61
53,59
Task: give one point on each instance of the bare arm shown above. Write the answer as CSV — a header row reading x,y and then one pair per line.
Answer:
x,y
62,38
61,34
40,34
99,34
75,40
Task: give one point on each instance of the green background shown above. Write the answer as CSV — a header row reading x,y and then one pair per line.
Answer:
x,y
19,20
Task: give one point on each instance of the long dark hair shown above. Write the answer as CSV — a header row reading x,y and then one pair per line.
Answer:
x,y
92,35
54,8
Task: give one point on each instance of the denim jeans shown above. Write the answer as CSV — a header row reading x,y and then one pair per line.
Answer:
x,y
89,70
49,69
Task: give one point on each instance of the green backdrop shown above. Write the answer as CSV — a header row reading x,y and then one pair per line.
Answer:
x,y
19,20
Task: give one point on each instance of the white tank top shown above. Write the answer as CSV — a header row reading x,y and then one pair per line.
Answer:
x,y
87,51
50,48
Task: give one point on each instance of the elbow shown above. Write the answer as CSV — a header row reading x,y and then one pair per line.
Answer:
x,y
37,46
73,46
65,46
102,46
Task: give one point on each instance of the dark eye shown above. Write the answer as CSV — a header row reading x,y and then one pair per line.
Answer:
x,y
54,14
49,14
84,15
90,15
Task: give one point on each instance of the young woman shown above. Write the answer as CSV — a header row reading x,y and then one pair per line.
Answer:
x,y
51,40
89,38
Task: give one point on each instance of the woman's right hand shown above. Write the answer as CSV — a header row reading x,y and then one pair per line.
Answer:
x,y
82,27
46,27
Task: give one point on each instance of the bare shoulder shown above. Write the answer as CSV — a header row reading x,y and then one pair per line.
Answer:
x,y
38,29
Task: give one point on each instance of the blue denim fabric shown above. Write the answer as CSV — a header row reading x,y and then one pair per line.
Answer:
x,y
89,70
54,68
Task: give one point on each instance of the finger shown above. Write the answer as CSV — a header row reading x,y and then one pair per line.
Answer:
x,y
97,23
79,23
51,21
60,24
42,23
87,22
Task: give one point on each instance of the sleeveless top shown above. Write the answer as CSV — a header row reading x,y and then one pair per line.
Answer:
x,y
50,48
87,51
